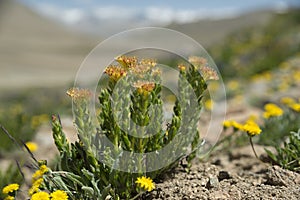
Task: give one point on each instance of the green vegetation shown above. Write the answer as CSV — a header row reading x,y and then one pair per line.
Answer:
x,y
259,49
87,167
22,113
10,175
288,156
277,128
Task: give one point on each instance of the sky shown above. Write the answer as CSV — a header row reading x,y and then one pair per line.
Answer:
x,y
146,12
189,4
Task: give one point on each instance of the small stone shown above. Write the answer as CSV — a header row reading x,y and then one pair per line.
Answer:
x,y
213,182
223,175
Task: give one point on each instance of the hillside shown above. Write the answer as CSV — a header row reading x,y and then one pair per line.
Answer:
x,y
35,51
38,52
252,51
209,32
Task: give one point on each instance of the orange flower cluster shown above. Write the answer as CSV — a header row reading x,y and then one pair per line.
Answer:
x,y
207,72
127,62
144,87
115,72
76,93
130,64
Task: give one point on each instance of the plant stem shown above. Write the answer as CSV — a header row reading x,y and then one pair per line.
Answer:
x,y
139,194
250,139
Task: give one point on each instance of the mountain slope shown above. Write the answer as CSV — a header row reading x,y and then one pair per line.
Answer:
x,y
209,32
35,51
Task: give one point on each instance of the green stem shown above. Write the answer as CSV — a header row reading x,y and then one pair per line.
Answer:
x,y
251,142
139,194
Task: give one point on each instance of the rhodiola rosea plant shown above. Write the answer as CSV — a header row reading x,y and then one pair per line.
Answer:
x,y
128,144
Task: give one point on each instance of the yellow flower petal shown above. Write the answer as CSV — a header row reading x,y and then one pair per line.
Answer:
x,y
10,188
145,183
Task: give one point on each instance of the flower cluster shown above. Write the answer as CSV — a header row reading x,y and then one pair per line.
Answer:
x,y
56,195
115,72
10,190
144,87
37,179
272,110
79,94
291,103
139,69
201,64
127,62
36,191
250,126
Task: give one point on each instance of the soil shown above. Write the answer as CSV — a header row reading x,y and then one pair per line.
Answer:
x,y
231,175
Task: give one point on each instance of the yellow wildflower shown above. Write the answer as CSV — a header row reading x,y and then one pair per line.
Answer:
x,y
295,107
37,120
38,182
40,196
296,76
59,195
237,125
252,118
272,110
214,86
40,172
10,188
234,124
284,86
9,198
227,123
181,67
145,183
44,169
32,146
33,190
35,186
287,100
267,76
251,128
37,174
233,85
209,104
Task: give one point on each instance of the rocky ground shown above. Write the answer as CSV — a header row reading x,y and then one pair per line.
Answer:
x,y
234,175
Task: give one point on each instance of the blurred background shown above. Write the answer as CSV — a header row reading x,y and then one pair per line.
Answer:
x,y
43,43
